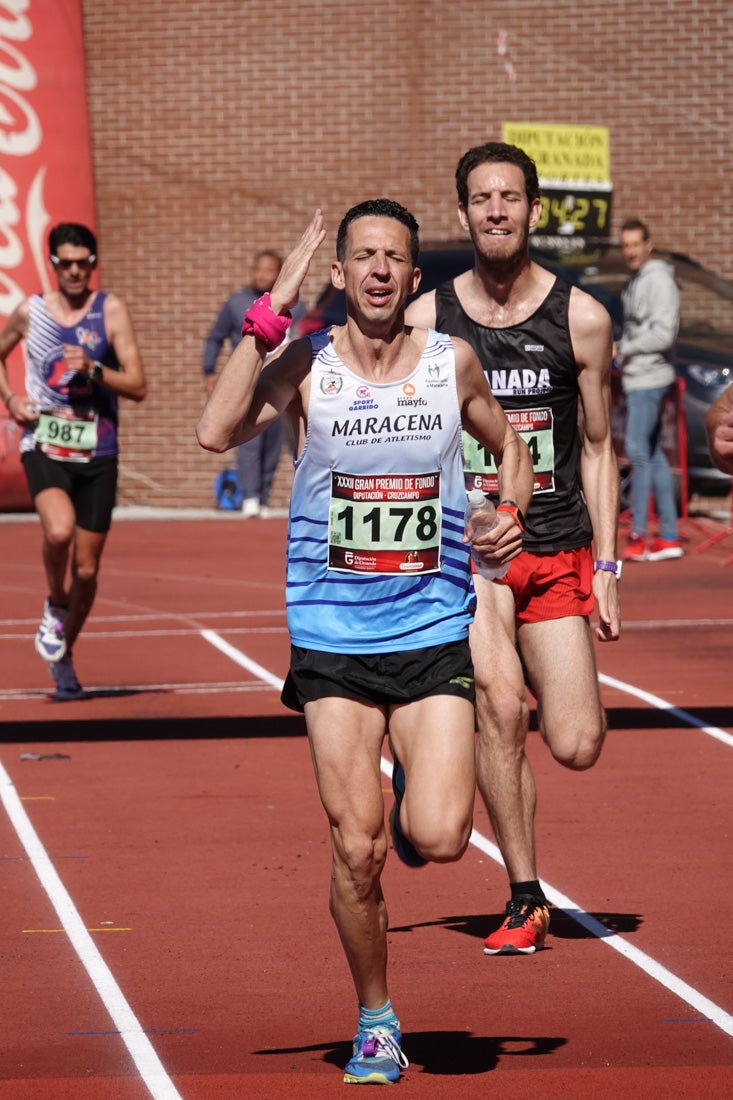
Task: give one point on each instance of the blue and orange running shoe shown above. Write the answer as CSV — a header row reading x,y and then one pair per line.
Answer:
x,y
377,1058
523,930
406,851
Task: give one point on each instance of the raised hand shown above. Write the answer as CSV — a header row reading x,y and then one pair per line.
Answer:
x,y
284,293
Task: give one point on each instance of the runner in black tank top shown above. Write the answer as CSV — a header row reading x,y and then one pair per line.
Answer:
x,y
546,349
531,369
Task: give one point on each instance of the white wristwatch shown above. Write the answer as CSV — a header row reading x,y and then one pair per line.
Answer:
x,y
608,567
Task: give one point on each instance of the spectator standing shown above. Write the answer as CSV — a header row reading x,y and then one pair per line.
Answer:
x,y
257,459
651,304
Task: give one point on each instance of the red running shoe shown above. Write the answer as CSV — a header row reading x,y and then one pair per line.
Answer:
x,y
635,549
524,930
661,549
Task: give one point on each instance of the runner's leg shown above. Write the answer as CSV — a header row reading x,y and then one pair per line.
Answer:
x,y
346,739
561,665
504,775
433,739
56,512
88,547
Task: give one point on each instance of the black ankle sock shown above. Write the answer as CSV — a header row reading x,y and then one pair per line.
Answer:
x,y
533,889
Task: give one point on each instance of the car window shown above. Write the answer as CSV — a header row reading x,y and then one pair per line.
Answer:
x,y
704,310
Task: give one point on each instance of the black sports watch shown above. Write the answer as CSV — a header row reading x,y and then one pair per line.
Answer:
x,y
96,372
514,511
608,567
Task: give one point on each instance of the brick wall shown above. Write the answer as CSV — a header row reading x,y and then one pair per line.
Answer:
x,y
219,125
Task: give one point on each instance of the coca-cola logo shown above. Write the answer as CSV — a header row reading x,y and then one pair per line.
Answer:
x,y
23,217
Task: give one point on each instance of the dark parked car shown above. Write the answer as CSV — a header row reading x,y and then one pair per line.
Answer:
x,y
703,353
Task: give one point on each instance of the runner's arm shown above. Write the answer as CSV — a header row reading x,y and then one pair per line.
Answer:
x,y
15,330
590,330
484,418
129,380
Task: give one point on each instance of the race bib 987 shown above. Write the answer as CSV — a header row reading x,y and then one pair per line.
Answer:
x,y
64,432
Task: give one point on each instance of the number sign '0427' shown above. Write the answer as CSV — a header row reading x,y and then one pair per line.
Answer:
x,y
569,211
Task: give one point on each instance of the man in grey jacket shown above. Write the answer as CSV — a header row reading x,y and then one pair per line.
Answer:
x,y
651,304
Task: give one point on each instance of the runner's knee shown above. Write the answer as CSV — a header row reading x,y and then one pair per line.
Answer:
x,y
502,718
578,749
443,841
58,534
360,859
86,572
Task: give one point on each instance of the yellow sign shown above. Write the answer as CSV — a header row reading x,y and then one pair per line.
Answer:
x,y
563,152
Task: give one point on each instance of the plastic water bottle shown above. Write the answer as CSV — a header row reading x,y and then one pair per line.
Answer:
x,y
480,518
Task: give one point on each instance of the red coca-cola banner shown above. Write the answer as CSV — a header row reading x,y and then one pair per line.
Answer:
x,y
45,170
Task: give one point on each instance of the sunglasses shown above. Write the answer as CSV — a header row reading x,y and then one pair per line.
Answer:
x,y
66,265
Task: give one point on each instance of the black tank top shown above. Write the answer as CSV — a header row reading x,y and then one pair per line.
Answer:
x,y
533,374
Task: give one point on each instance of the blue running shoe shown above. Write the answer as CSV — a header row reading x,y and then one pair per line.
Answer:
x,y
67,685
377,1057
406,851
50,642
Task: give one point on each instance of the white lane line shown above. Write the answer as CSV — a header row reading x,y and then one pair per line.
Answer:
x,y
146,1060
670,981
662,704
655,970
240,659
650,966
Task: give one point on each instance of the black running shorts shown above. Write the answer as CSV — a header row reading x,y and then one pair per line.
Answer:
x,y
91,486
383,679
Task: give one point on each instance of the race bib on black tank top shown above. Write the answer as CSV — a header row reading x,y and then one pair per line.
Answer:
x,y
533,375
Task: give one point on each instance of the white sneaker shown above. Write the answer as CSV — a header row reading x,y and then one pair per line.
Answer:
x,y
67,685
250,507
50,641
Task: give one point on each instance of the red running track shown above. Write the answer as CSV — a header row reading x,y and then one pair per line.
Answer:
x,y
177,828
